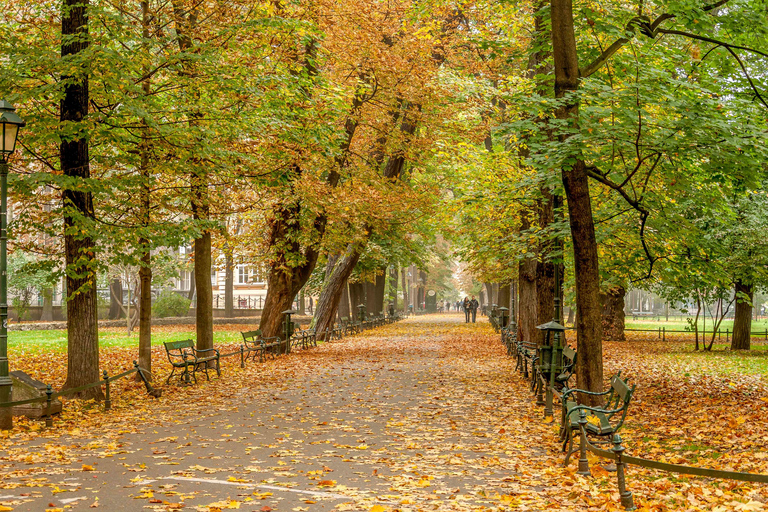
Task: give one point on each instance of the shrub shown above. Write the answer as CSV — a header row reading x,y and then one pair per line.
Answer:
x,y
170,304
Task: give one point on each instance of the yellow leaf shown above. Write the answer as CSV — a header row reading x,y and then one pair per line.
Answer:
x,y
377,508
86,467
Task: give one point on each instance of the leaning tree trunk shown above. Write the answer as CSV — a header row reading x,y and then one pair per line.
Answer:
x,y
613,313
333,290
82,314
742,320
576,184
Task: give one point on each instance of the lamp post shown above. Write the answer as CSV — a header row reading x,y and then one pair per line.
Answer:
x,y
10,123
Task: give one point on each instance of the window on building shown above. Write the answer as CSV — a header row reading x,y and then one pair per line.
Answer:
x,y
242,274
185,280
214,277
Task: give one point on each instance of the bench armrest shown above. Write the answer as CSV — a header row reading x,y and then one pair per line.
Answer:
x,y
198,350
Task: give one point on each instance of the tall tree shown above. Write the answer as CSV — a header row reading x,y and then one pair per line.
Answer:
x,y
82,327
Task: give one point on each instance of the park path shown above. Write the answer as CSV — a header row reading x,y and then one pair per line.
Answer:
x,y
425,414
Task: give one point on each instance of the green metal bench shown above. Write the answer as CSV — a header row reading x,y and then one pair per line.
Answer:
x,y
183,355
255,344
601,421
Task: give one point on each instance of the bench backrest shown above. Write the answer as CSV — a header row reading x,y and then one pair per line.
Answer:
x,y
178,345
622,390
251,335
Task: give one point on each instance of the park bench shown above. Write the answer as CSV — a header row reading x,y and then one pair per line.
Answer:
x,y
183,355
568,365
601,422
525,353
509,338
306,338
350,326
254,343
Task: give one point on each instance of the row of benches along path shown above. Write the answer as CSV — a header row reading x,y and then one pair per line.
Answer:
x,y
424,414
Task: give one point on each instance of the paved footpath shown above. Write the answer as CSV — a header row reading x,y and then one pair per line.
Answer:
x,y
425,414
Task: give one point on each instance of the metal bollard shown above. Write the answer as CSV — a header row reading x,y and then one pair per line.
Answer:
x,y
583,462
48,417
107,398
242,357
627,501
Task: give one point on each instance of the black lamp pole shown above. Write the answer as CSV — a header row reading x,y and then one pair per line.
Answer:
x,y
10,123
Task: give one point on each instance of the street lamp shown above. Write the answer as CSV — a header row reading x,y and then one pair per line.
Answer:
x,y
10,123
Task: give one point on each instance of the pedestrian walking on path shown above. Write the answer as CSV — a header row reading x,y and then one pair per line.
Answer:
x,y
473,305
467,307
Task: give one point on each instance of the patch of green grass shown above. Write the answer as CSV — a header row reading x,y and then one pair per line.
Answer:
x,y
56,340
679,324
721,360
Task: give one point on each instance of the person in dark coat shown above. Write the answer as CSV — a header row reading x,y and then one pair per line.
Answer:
x,y
473,305
467,307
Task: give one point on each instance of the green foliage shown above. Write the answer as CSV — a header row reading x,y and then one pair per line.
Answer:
x,y
170,304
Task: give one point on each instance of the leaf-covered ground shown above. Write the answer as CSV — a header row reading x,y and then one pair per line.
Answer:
x,y
426,414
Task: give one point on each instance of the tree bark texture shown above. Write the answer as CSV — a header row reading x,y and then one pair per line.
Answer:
x,y
404,278
356,297
545,268
229,283
145,314
82,313
613,313
504,295
527,304
742,320
576,184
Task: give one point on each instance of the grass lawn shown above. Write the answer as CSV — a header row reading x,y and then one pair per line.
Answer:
x,y
679,324
56,340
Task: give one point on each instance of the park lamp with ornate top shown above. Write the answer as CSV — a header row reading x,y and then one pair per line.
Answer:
x,y
10,122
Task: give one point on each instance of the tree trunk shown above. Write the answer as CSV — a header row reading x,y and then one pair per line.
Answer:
x,y
527,306
356,297
613,313
204,306
379,291
115,291
145,314
545,268
82,313
404,273
334,288
47,314
229,283
370,298
742,319
145,271
504,295
576,184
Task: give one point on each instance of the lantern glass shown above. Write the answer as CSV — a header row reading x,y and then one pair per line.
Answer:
x,y
10,131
